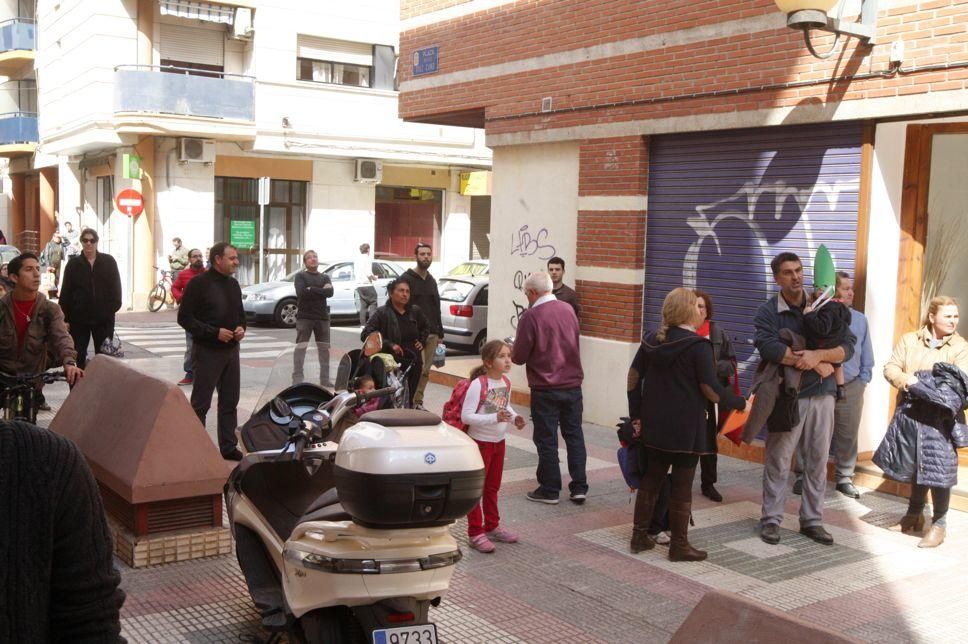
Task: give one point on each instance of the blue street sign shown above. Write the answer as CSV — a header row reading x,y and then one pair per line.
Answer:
x,y
425,61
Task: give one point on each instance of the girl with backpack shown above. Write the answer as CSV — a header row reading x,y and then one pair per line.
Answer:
x,y
487,413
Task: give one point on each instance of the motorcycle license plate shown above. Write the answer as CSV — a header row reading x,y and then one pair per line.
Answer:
x,y
417,634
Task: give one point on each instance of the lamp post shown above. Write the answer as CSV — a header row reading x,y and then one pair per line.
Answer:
x,y
806,15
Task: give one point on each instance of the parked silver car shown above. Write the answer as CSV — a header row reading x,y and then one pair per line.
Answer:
x,y
463,312
275,302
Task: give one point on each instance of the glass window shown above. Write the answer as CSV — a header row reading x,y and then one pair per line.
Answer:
x,y
454,290
323,71
389,270
481,299
340,272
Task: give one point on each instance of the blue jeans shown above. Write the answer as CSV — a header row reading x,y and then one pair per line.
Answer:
x,y
549,408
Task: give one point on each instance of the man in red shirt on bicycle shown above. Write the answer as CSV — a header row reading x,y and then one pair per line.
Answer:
x,y
31,327
196,266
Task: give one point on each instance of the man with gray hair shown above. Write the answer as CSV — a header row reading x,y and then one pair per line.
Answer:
x,y
547,344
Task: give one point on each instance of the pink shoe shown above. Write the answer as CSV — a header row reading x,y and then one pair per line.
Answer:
x,y
481,543
503,535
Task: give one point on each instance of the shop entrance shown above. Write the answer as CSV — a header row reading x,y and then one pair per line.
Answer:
x,y
933,234
272,236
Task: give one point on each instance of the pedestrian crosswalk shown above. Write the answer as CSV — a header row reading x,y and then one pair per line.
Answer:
x,y
167,341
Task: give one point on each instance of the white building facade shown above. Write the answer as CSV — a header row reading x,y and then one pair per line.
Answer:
x,y
190,103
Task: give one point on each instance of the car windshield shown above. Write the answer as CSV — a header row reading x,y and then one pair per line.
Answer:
x,y
469,268
454,290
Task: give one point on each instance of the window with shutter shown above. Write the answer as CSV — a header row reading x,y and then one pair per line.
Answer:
x,y
339,62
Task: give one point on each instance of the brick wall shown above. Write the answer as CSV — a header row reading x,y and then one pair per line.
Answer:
x,y
611,170
412,8
611,311
673,80
616,166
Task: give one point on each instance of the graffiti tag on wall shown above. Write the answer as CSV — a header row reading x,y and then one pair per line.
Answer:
x,y
526,243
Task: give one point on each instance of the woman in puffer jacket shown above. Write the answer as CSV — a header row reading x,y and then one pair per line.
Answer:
x,y
929,367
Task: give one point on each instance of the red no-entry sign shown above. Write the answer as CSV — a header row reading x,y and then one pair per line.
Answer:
x,y
130,202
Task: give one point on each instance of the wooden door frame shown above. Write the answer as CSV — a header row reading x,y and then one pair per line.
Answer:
x,y
914,220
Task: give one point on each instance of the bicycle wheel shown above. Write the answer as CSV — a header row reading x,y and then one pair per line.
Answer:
x,y
157,297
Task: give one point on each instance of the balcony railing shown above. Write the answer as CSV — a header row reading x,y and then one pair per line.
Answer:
x,y
18,34
184,92
18,127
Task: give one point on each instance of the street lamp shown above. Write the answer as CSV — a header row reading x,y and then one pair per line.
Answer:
x,y
812,14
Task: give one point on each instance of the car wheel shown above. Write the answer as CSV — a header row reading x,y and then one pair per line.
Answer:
x,y
480,341
285,314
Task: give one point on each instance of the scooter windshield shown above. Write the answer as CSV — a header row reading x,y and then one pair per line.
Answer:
x,y
309,363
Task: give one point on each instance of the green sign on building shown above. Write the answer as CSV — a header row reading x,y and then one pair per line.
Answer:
x,y
242,234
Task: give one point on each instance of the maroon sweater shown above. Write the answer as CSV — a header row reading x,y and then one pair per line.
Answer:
x,y
547,343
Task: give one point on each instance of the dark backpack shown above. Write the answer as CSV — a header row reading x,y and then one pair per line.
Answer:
x,y
454,405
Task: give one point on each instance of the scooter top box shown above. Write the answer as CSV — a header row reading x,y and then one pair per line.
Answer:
x,y
403,468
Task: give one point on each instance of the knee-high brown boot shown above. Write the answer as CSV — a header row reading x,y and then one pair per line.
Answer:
x,y
680,511
645,501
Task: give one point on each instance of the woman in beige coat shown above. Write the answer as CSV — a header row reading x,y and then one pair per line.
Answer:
x,y
937,341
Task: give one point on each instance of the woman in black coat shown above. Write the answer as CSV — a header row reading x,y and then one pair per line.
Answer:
x,y
724,358
679,379
90,296
403,327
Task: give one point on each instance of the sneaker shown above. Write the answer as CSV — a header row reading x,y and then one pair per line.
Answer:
x,y
481,543
662,539
798,487
187,380
540,497
43,406
502,535
419,407
770,533
577,497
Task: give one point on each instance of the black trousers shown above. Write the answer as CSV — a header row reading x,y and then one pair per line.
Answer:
x,y
218,369
81,333
707,469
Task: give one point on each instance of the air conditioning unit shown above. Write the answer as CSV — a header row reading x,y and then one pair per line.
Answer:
x,y
196,150
368,171
242,24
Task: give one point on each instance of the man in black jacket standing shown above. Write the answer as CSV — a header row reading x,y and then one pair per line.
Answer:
x,y
424,293
211,311
312,316
90,296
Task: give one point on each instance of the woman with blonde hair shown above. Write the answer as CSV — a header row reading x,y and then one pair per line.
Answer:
x,y
918,448
677,377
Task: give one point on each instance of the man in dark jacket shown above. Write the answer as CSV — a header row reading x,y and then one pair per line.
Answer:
x,y
814,406
425,294
211,310
90,296
556,270
312,316
196,267
58,582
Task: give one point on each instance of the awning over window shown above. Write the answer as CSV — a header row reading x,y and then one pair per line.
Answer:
x,y
337,51
206,11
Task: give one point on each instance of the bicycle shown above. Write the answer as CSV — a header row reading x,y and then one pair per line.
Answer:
x,y
20,396
158,295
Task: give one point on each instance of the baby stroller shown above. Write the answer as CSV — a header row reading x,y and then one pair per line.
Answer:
x,y
384,368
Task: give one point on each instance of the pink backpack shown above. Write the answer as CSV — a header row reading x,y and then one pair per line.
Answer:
x,y
453,407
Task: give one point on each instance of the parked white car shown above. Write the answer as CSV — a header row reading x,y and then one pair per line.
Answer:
x,y
275,302
463,312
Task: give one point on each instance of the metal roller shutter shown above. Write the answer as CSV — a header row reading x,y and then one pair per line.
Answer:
x,y
337,51
722,204
192,44
480,227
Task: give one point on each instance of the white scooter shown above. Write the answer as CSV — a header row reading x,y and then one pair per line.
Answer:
x,y
349,541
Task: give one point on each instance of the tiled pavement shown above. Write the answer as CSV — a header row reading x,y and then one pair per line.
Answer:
x,y
571,578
